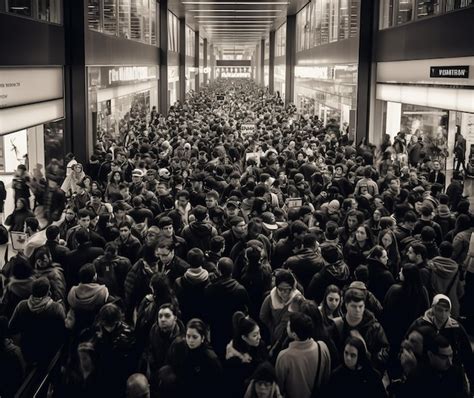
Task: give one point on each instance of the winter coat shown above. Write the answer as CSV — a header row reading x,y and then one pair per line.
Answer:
x,y
15,291
56,279
445,279
16,220
304,265
40,323
112,272
189,290
199,234
461,245
371,331
355,255
332,274
360,383
223,298
84,254
58,253
129,249
380,279
12,368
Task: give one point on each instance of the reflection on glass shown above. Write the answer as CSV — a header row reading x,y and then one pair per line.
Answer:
x,y
124,19
426,8
344,19
110,17
54,148
333,20
325,14
386,13
354,18
456,4
405,11
135,23
153,22
21,7
93,14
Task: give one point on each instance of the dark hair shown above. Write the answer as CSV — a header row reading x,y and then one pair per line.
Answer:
x,y
217,243
200,327
285,276
302,325
243,325
82,236
428,234
32,223
354,295
419,248
110,314
446,249
87,273
83,213
225,265
436,343
21,268
410,216
170,307
412,285
195,258
52,232
309,307
362,357
331,289
125,224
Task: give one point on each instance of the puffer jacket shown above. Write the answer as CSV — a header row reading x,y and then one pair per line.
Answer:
x,y
56,279
445,280
199,234
332,274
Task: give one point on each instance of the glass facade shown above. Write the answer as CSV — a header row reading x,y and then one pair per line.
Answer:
x,y
190,42
398,12
129,19
173,32
326,21
49,11
280,41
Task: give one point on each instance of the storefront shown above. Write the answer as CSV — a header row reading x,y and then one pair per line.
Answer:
x,y
279,78
116,90
432,99
173,84
31,120
328,91
233,72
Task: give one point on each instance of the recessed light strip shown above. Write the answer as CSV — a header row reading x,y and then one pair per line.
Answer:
x,y
238,11
236,3
235,16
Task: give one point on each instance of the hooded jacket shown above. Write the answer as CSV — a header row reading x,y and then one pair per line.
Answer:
x,y
56,279
190,293
15,291
87,296
380,279
305,264
445,280
332,274
198,234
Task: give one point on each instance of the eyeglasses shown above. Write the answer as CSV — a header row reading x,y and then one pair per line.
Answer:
x,y
284,289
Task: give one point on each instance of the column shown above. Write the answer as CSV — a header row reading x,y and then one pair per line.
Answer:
x,y
261,71
213,62
290,59
365,87
182,59
271,63
163,94
204,65
196,60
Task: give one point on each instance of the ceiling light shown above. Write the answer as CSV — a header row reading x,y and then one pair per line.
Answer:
x,y
254,23
236,16
234,10
236,3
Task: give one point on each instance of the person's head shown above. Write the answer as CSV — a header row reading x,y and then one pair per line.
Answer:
x,y
42,258
84,218
355,353
109,317
441,307
387,238
426,212
138,386
165,224
40,287
87,273
417,253
217,244
225,266
183,198
152,236
380,254
21,268
167,317
200,212
363,234
332,299
246,330
31,225
264,380
410,219
285,284
440,353
436,165
116,177
195,258
197,334
70,214
354,301
354,219
212,199
52,233
446,249
82,236
300,326
125,229
239,226
165,250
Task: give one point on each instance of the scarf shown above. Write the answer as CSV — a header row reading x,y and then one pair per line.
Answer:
x,y
277,304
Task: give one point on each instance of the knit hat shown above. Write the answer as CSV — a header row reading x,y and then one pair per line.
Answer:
x,y
442,300
443,211
330,254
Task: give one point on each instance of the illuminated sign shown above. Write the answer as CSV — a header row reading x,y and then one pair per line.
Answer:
x,y
130,74
453,72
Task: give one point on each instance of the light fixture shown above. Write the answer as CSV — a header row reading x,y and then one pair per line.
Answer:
x,y
254,23
236,3
236,16
238,11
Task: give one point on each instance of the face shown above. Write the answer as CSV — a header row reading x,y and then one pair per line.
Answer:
x,y
378,202
241,227
231,211
168,231
84,222
441,313
193,339
151,238
387,240
42,261
284,291
333,300
164,254
69,214
411,254
253,338
166,319
350,356
355,309
182,201
377,215
19,204
361,234
352,222
124,232
436,166
263,389
395,184
136,179
210,202
116,177
383,257
443,359
416,342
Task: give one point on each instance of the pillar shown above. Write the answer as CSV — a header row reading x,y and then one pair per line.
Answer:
x,y
290,59
196,61
271,63
163,85
182,59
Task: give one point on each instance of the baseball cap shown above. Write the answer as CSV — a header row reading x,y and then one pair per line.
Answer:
x,y
442,299
164,173
137,173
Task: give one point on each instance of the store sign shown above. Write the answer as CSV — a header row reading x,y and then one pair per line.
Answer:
x,y
124,74
247,129
451,72
21,86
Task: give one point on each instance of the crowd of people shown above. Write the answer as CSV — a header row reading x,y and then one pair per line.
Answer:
x,y
195,256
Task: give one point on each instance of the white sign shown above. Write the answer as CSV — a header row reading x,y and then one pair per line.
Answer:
x,y
129,73
21,86
207,70
247,129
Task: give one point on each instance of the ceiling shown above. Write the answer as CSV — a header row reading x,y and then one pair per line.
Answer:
x,y
235,25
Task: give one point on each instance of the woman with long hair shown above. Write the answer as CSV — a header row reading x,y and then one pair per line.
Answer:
x,y
353,219
388,241
380,278
112,192
263,383
355,377
16,220
331,306
356,250
404,302
244,353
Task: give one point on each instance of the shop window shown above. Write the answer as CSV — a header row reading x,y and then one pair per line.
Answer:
x,y
317,18
190,45
173,32
354,18
135,20
425,8
404,11
93,14
49,11
456,4
344,12
386,13
21,7
154,22
146,21
325,12
124,19
110,16
333,20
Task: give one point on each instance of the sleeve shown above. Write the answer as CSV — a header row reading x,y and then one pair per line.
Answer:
x,y
265,314
281,371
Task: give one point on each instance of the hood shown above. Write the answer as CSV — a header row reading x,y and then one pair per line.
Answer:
x,y
21,287
39,304
339,270
373,263
87,295
444,267
200,229
195,276
49,272
429,317
226,284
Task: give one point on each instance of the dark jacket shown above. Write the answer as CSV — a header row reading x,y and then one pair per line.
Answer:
x,y
199,234
380,279
112,273
15,291
16,220
12,368
332,274
84,254
40,323
304,265
55,275
130,248
190,294
423,223
58,252
224,297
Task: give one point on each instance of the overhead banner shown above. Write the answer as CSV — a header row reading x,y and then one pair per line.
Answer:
x,y
23,86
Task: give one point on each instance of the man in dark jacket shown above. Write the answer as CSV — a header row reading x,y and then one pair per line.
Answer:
x,y
361,323
165,224
190,287
236,233
306,262
85,253
224,297
58,252
286,247
128,245
198,234
40,322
